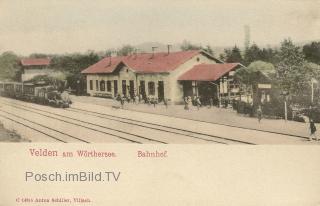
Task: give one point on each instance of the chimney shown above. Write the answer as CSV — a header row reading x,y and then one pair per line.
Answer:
x,y
153,48
110,56
169,45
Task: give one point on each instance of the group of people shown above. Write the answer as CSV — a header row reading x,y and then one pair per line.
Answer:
x,y
188,101
137,99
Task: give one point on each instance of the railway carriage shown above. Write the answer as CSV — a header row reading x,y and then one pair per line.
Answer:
x,y
28,91
8,89
46,95
18,90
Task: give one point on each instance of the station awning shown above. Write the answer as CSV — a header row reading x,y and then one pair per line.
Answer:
x,y
208,72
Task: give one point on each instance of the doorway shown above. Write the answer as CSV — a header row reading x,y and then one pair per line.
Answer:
x,y
115,87
131,88
160,91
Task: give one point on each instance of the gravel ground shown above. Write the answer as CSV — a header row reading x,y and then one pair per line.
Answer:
x,y
212,115
9,136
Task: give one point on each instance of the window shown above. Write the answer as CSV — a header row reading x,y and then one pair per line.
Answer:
x,y
109,86
97,85
102,86
151,88
91,85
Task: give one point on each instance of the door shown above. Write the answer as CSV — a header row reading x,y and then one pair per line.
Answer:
x,y
160,91
124,87
143,89
187,88
115,87
131,84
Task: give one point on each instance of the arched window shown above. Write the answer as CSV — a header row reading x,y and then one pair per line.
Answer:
x,y
102,86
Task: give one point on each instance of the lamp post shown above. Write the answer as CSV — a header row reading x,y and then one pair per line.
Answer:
x,y
285,95
78,87
313,81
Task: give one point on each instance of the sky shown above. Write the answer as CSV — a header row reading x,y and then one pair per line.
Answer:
x,y
64,26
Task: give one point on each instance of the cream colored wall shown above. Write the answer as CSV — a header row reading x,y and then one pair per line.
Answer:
x,y
155,78
176,90
100,77
130,75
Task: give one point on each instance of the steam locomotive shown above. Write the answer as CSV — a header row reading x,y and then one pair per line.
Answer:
x,y
41,94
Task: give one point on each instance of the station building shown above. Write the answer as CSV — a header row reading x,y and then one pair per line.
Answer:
x,y
164,75
32,67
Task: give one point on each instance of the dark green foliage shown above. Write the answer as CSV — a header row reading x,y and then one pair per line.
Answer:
x,y
38,55
9,67
312,52
125,50
254,53
186,45
209,50
72,65
233,55
294,74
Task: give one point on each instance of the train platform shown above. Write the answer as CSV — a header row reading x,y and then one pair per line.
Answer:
x,y
211,115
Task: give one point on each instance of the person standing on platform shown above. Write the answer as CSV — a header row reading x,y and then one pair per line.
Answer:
x,y
198,103
186,103
211,102
259,113
313,130
122,99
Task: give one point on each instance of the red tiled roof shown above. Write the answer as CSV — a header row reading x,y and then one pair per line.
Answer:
x,y
143,63
35,62
208,72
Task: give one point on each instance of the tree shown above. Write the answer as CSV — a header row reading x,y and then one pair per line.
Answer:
x,y
234,55
186,45
209,50
312,52
125,50
251,74
252,53
269,55
9,66
291,68
38,55
72,65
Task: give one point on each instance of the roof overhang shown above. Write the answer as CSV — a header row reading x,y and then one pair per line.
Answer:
x,y
208,72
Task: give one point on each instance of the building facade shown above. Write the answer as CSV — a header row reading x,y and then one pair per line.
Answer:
x,y
32,67
160,75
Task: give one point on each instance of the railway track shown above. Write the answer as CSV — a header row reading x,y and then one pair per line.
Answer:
x,y
34,126
113,117
137,123
51,116
159,127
